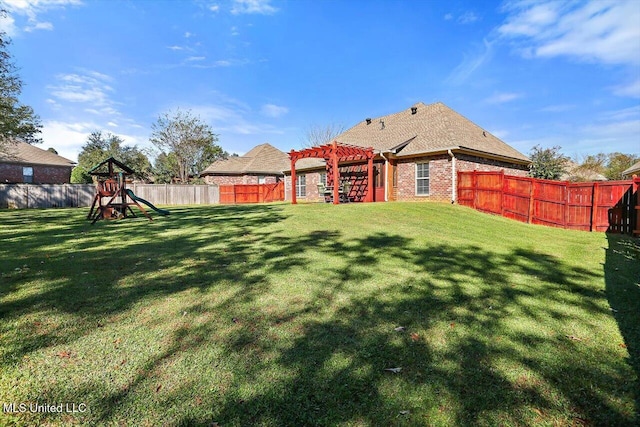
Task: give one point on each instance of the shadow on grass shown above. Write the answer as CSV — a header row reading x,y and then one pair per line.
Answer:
x,y
487,338
622,276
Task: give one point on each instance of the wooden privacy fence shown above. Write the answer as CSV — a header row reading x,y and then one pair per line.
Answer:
x,y
252,193
172,194
23,196
611,206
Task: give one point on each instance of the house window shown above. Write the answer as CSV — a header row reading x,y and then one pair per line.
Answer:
x,y
27,174
422,179
262,179
323,178
301,186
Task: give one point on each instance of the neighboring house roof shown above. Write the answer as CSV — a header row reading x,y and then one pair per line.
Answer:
x,y
261,159
573,172
635,169
432,128
21,152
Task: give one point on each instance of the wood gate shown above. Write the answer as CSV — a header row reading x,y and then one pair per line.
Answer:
x,y
251,193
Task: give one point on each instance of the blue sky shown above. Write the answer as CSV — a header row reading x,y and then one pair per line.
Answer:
x,y
531,72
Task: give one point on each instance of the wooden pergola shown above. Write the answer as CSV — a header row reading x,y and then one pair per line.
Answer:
x,y
334,154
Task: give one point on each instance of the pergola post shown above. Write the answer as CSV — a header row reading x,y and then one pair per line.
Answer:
x,y
370,179
336,175
293,181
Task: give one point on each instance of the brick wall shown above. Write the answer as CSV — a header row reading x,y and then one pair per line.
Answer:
x,y
313,179
12,174
239,179
440,182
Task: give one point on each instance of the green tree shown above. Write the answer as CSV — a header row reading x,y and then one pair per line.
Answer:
x,y
80,175
165,168
101,146
617,163
547,163
188,138
17,121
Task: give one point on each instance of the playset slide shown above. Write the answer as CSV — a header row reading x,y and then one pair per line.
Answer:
x,y
138,199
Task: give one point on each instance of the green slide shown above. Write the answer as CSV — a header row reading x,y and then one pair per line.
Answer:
x,y
138,199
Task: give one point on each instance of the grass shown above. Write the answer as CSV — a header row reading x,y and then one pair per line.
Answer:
x,y
282,315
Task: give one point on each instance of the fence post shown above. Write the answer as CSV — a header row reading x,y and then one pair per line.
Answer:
x,y
502,182
474,185
594,206
565,217
531,197
635,229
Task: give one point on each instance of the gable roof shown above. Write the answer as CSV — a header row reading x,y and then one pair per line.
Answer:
x,y
261,159
634,169
101,170
21,152
432,128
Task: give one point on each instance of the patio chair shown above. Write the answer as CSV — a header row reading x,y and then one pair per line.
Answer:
x,y
323,192
345,190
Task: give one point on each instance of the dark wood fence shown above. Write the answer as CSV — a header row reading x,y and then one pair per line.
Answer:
x,y
611,206
252,193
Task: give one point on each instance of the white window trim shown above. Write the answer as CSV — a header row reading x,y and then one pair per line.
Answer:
x,y
298,186
416,179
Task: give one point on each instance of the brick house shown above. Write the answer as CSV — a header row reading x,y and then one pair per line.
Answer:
x,y
418,154
633,170
263,164
23,163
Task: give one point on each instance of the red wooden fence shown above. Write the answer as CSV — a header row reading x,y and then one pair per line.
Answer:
x,y
611,206
252,193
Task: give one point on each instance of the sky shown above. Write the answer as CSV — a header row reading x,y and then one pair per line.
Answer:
x,y
532,72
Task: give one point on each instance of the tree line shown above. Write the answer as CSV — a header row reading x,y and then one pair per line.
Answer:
x,y
550,163
187,146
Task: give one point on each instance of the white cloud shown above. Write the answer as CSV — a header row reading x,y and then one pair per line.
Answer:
x,y
188,35
261,7
214,8
8,25
67,138
471,63
559,108
90,87
196,58
631,90
448,17
501,98
273,111
175,47
39,26
467,18
600,31
30,9
234,31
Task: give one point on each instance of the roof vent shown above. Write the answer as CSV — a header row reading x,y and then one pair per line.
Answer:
x,y
381,124
484,134
414,110
368,121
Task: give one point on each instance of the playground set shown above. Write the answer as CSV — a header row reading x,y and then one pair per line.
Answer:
x,y
113,199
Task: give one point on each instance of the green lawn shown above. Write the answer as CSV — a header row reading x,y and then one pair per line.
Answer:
x,y
282,315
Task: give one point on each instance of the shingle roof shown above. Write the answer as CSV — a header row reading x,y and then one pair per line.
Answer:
x,y
261,159
21,152
635,168
433,128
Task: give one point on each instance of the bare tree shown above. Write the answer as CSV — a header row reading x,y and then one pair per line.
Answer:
x,y
319,135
